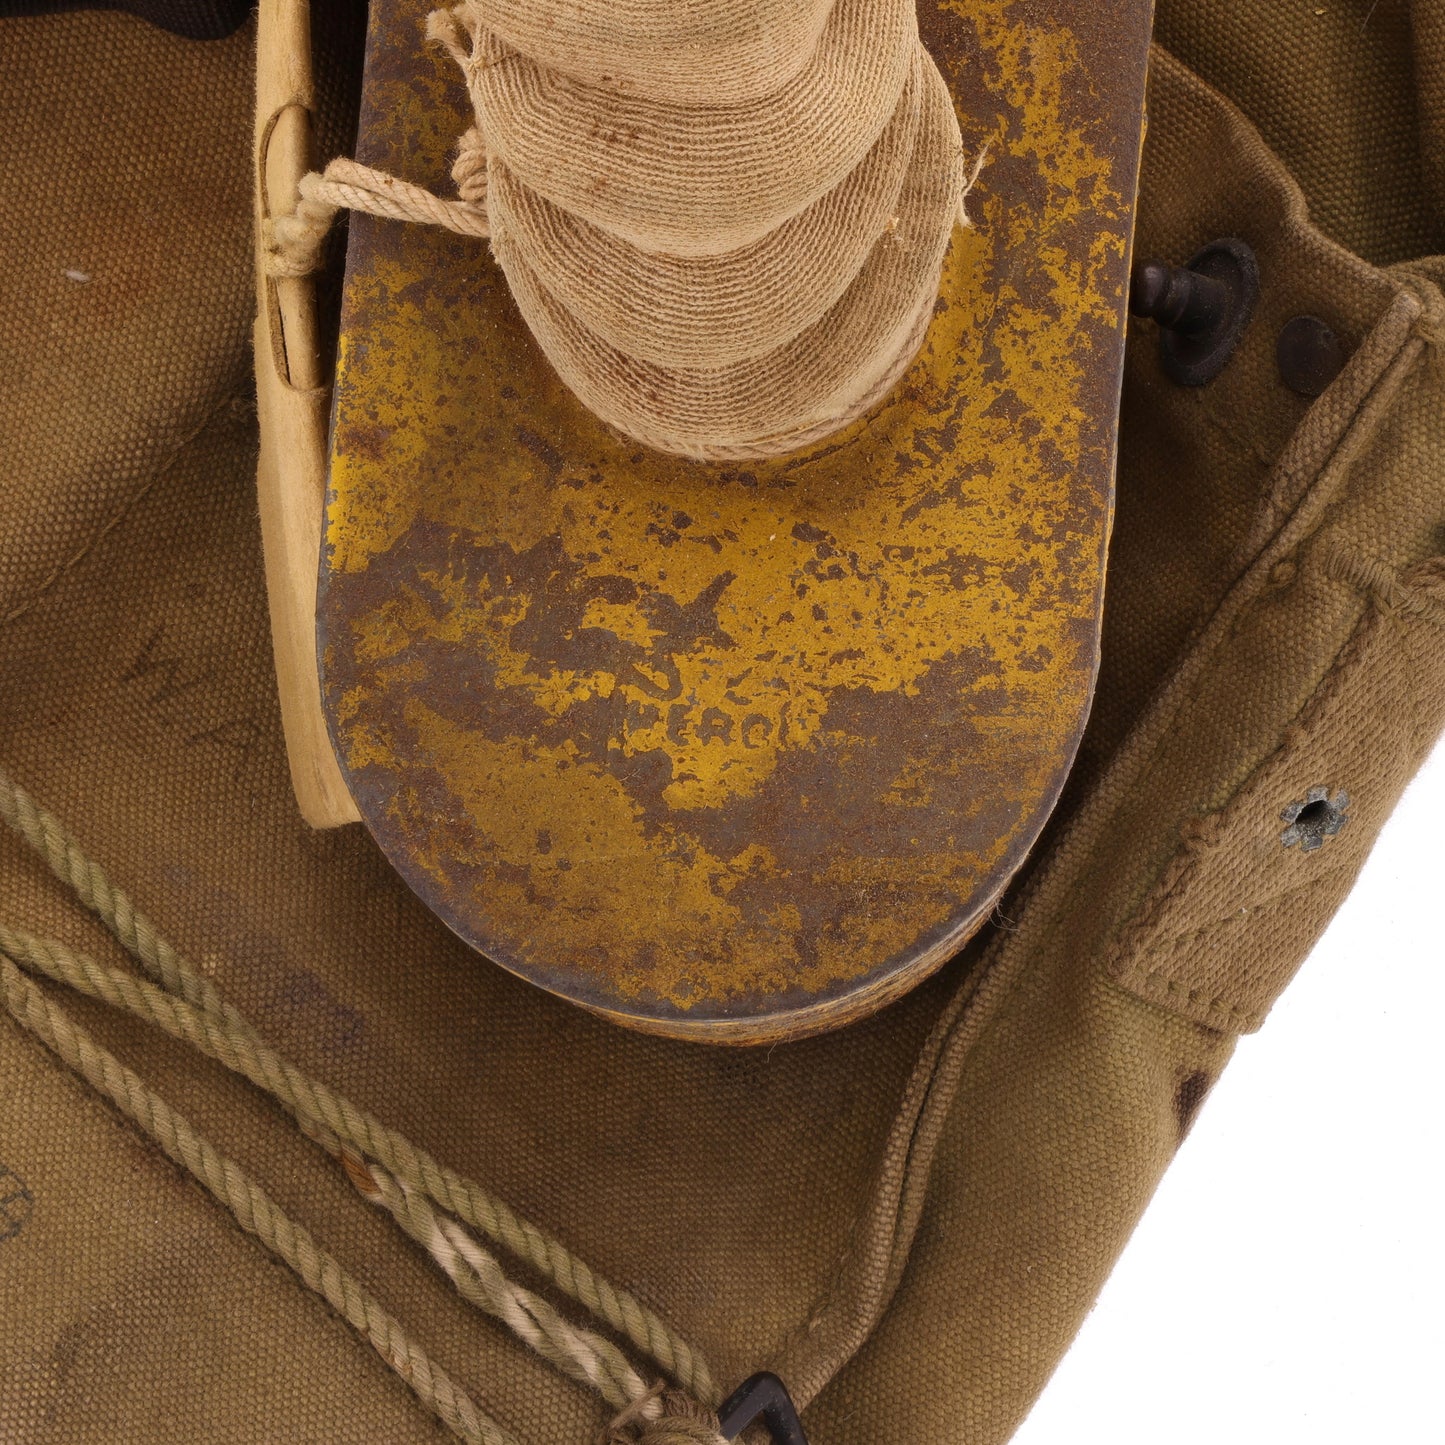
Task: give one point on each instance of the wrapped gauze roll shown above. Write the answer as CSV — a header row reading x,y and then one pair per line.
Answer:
x,y
686,52
720,271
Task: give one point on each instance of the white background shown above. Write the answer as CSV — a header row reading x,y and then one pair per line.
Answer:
x,y
1287,1285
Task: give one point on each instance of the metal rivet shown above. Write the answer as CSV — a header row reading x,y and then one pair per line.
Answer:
x,y
1202,308
1310,355
1314,818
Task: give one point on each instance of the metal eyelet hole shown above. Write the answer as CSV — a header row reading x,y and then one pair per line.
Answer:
x,y
1314,818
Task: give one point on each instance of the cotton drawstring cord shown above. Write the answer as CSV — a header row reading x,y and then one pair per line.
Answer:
x,y
293,243
474,1205
384,1166
586,1357
252,1207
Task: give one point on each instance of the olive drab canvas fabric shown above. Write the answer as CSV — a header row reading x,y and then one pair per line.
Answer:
x,y
907,1219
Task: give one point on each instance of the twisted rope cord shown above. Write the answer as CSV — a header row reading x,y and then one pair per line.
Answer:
x,y
252,1208
584,1356
665,1416
292,244
214,1026
45,834
293,247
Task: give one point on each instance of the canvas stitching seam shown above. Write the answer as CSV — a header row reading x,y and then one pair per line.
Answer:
x,y
1214,1004
1132,937
1391,597
1382,583
1139,975
1252,579
63,569
1274,900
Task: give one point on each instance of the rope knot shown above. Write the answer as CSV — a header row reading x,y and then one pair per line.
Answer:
x,y
469,170
293,244
663,1417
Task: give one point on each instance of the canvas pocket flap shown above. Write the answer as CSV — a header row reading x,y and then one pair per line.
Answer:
x,y
1253,884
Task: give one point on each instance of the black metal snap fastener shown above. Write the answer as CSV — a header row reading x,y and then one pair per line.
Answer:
x,y
1202,308
1310,355
762,1397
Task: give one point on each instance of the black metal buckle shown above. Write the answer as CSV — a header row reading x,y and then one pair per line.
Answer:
x,y
762,1397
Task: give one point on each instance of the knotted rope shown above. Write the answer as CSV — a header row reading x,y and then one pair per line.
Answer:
x,y
253,1209
421,1195
294,242
681,1422
723,220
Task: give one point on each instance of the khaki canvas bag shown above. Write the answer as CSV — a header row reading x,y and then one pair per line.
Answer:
x,y
906,1219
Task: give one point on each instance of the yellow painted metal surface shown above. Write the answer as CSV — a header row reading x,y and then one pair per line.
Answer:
x,y
734,751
